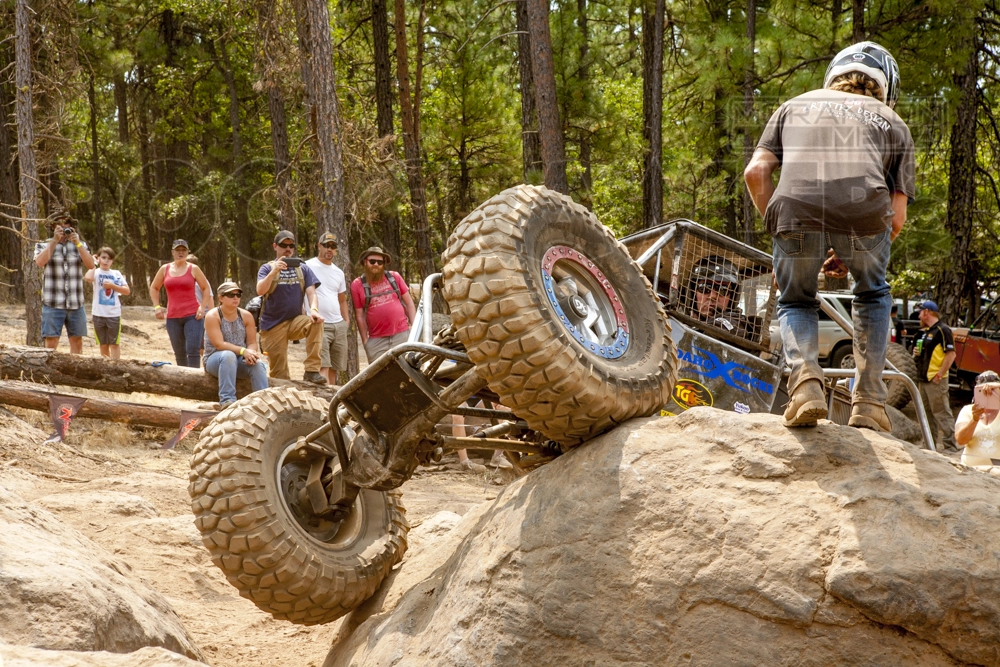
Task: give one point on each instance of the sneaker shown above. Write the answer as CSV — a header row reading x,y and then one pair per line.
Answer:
x,y
807,405
473,466
869,415
500,461
315,377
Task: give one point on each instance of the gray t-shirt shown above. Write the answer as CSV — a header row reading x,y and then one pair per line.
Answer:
x,y
842,156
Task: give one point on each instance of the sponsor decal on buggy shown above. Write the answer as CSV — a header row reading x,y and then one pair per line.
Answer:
x,y
741,408
690,394
736,375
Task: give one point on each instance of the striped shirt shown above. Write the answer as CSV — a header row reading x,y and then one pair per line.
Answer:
x,y
63,276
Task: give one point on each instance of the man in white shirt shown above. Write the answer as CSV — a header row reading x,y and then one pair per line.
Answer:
x,y
332,297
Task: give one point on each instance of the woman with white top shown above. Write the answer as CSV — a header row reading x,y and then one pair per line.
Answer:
x,y
978,431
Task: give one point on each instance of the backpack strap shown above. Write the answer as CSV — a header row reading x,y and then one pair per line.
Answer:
x,y
368,289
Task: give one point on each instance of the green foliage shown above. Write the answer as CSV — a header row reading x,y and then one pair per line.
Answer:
x,y
178,174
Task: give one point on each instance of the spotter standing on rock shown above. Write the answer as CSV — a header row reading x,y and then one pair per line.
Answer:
x,y
847,176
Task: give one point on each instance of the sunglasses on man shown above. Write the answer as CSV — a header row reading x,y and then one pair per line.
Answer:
x,y
330,246
376,262
709,287
286,245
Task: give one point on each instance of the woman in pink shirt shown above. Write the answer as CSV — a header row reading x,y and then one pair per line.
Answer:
x,y
183,313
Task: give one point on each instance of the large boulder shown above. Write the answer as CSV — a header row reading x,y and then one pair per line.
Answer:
x,y
58,590
707,538
25,656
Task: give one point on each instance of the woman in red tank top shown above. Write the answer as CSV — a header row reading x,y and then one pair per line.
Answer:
x,y
184,315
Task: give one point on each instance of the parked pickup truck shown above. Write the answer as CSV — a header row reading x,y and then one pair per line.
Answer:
x,y
977,348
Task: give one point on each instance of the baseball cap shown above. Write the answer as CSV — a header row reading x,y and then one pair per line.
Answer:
x,y
375,250
327,237
227,287
282,235
928,305
178,243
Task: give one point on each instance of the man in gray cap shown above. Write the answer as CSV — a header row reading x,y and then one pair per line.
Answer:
x,y
283,283
383,306
332,296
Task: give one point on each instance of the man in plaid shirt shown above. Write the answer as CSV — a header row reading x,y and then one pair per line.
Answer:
x,y
64,259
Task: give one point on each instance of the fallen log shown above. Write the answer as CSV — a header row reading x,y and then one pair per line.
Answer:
x,y
35,397
40,365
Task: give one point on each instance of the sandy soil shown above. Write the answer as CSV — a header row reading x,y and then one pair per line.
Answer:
x,y
155,533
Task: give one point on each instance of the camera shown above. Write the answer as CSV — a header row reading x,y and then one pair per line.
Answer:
x,y
292,262
68,230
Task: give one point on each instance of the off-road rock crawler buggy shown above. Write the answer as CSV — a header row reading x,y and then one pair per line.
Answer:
x,y
556,333
297,500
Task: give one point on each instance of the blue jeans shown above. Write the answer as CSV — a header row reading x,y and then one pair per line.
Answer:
x,y
225,365
186,335
798,258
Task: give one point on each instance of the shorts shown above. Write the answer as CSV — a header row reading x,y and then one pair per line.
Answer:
x,y
376,347
108,330
333,353
53,320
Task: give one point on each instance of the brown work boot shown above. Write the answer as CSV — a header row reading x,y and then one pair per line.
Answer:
x,y
808,404
869,415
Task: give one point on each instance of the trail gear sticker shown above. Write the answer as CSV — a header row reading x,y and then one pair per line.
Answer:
x,y
690,394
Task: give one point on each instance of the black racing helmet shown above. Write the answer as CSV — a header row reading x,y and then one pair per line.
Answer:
x,y
718,274
871,59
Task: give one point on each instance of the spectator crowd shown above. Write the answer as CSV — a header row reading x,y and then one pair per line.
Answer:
x,y
296,300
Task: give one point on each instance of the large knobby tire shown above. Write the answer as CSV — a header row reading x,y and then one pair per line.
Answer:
x,y
298,569
539,363
898,395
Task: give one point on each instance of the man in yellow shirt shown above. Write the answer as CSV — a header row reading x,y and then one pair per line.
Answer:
x,y
934,350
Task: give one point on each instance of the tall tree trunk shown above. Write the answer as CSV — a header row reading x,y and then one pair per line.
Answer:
x,y
152,239
239,174
121,103
722,157
858,21
388,218
321,95
531,147
652,112
586,177
10,197
749,80
29,173
543,69
409,111
95,167
961,274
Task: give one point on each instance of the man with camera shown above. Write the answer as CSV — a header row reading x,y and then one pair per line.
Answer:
x,y
64,259
282,284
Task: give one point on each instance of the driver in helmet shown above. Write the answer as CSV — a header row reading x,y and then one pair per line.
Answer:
x,y
715,283
847,174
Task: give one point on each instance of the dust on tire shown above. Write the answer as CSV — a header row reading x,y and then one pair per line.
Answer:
x,y
252,537
494,288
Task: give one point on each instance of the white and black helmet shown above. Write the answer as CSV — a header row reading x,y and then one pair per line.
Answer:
x,y
871,59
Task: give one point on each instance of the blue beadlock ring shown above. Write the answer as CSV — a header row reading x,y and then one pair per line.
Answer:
x,y
617,348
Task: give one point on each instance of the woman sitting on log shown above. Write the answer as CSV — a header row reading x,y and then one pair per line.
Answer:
x,y
231,345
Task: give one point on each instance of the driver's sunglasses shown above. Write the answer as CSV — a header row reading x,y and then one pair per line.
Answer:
x,y
286,245
376,262
708,288
330,246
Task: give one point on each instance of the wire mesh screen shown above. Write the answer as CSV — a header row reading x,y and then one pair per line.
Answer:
x,y
721,285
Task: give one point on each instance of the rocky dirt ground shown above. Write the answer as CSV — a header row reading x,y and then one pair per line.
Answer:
x,y
116,486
